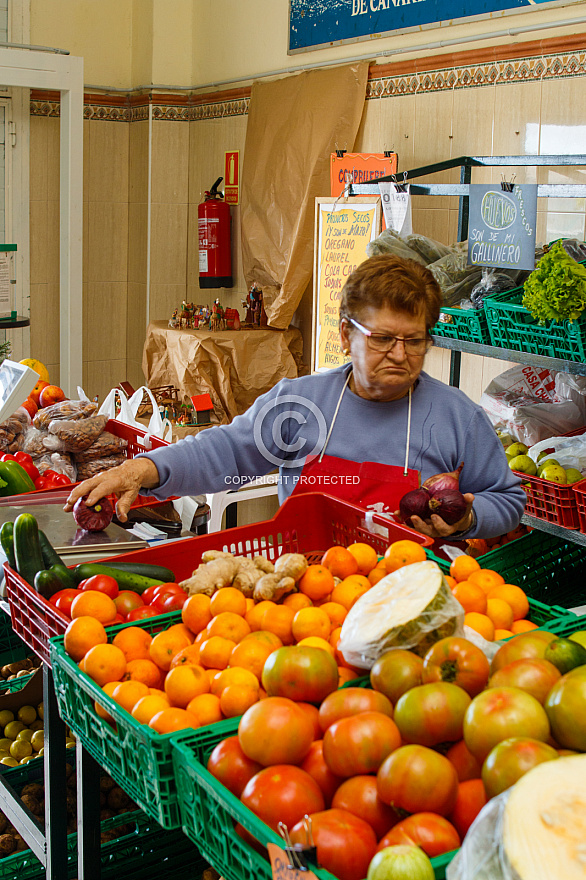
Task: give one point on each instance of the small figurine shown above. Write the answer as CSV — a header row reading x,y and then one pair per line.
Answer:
x,y
217,319
232,319
255,313
174,320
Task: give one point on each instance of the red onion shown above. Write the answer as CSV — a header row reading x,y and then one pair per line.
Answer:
x,y
415,503
449,504
440,495
439,482
95,518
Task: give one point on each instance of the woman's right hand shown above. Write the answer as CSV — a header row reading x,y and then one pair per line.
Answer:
x,y
124,481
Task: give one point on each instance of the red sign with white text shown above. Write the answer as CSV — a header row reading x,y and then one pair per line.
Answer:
x,y
232,177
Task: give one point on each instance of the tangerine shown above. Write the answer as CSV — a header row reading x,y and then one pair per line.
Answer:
x,y
128,693
228,599
149,706
145,671
316,642
349,590
336,612
251,654
108,689
264,637
377,574
405,552
233,676
318,581
254,616
339,561
236,699
311,622
346,674
165,645
104,663
215,652
134,642
500,634
470,596
188,656
481,624
171,719
297,601
513,596
196,612
184,629
522,626
81,635
228,625
462,566
365,556
486,578
278,620
500,612
184,683
92,603
206,708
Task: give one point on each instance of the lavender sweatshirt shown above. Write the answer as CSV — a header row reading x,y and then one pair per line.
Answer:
x,y
292,420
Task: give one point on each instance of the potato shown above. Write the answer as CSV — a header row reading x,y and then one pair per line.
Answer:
x,y
7,845
117,799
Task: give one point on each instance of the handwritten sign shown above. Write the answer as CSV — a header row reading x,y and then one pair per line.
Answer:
x,y
359,168
502,226
281,866
343,230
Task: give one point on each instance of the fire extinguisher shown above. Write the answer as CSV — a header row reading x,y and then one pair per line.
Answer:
x,y
215,256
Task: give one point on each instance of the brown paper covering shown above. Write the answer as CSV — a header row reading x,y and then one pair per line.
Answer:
x,y
234,366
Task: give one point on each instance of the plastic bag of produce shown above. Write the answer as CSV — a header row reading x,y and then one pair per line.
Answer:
x,y
77,434
60,462
11,431
87,469
66,409
33,442
107,444
427,248
569,452
495,281
411,608
389,242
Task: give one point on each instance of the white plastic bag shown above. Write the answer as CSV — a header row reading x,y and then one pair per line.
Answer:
x,y
481,857
157,427
570,452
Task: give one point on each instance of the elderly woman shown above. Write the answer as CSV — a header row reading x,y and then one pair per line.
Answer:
x,y
379,408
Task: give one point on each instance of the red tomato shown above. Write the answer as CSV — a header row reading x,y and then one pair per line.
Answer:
x,y
537,677
22,457
231,767
314,764
127,601
103,583
312,713
359,796
467,767
432,713
7,456
359,744
148,595
166,602
351,701
282,793
471,799
142,613
498,713
61,480
396,672
565,710
117,619
415,778
26,462
167,588
530,646
457,661
275,731
50,473
434,834
510,760
63,599
300,673
345,843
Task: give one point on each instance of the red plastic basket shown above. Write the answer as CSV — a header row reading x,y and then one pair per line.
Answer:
x,y
307,523
551,502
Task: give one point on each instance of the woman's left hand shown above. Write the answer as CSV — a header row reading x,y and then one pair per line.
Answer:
x,y
435,527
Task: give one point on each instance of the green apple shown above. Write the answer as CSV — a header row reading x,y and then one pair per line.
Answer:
x,y
545,463
555,474
573,475
516,449
523,464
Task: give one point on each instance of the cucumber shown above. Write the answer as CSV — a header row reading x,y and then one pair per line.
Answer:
x,y
145,570
27,547
126,580
47,583
7,541
50,555
65,575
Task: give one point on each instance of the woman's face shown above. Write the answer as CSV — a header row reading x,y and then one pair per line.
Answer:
x,y
379,375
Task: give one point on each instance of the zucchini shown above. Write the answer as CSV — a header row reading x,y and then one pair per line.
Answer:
x,y
47,583
27,547
65,575
126,580
145,570
7,541
50,555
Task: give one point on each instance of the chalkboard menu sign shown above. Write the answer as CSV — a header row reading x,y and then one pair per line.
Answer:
x,y
501,226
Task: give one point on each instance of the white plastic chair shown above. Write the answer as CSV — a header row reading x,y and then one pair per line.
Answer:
x,y
219,501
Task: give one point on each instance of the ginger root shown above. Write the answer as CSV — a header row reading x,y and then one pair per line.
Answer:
x,y
211,576
246,576
272,587
291,565
257,577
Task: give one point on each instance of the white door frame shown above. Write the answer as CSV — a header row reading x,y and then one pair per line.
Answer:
x,y
64,73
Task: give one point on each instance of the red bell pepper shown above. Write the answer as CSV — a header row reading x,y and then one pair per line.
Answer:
x,y
26,462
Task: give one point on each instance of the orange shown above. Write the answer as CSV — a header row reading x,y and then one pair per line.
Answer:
x,y
264,637
513,596
278,620
236,699
182,628
462,566
108,688
481,623
377,574
81,635
522,626
251,654
81,665
196,612
104,663
365,555
470,596
336,612
215,652
228,599
316,642
213,675
297,601
92,603
406,552
236,677
249,603
200,637
500,612
486,578
345,674
228,625
165,645
188,656
145,671
318,581
502,634
149,706
311,622
128,693
255,615
206,709
134,643
451,582
335,636
172,719
157,692
184,683
339,561
349,590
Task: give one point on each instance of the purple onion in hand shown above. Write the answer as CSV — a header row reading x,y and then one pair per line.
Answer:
x,y
95,518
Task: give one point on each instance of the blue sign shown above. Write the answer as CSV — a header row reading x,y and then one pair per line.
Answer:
x,y
314,24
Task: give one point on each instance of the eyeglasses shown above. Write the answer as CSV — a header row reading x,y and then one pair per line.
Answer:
x,y
382,343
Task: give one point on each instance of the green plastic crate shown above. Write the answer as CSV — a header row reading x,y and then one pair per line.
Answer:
x,y
550,570
11,645
567,626
15,684
469,325
209,811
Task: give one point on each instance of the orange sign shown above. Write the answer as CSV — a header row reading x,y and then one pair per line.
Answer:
x,y
359,168
232,177
282,866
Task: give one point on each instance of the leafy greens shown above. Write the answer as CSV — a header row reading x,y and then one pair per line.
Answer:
x,y
556,289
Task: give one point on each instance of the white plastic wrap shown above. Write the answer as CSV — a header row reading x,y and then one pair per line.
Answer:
x,y
481,856
568,451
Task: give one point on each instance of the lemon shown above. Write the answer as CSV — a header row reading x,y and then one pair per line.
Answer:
x,y
38,367
26,734
9,761
38,740
6,716
27,714
13,729
20,749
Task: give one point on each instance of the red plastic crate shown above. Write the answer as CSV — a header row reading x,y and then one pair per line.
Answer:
x,y
307,523
551,502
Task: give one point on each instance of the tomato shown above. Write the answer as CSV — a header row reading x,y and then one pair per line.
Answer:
x,y
529,646
471,799
467,767
359,796
148,595
231,767
300,673
345,843
166,602
313,714
498,713
511,759
351,701
434,834
566,710
166,588
103,583
42,483
314,764
415,778
457,661
127,601
359,744
142,613
432,713
396,672
23,458
7,456
275,731
282,793
537,677
63,600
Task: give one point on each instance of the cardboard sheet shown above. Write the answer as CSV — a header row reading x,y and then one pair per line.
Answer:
x,y
234,366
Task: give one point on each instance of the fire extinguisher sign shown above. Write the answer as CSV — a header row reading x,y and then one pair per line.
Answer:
x,y
232,177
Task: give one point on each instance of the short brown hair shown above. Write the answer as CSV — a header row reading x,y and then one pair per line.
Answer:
x,y
395,283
